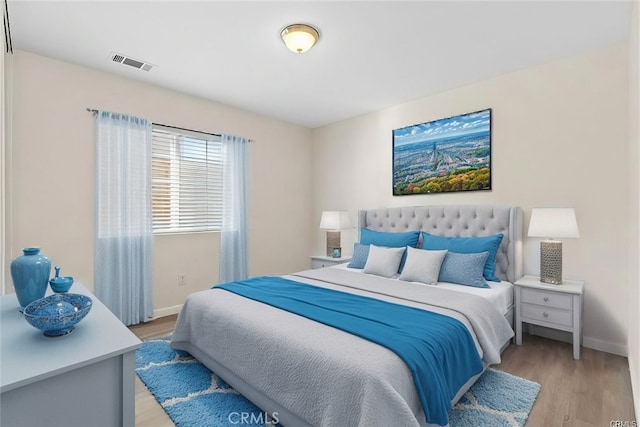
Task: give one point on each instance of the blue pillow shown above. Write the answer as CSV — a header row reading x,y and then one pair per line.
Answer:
x,y
468,245
464,269
359,257
389,239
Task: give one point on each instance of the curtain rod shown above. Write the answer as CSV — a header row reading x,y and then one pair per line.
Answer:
x,y
93,110
7,29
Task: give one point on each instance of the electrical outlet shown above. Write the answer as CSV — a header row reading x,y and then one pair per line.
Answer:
x,y
181,281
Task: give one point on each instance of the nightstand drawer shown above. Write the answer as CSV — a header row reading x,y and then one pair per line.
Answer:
x,y
546,314
327,261
548,299
316,263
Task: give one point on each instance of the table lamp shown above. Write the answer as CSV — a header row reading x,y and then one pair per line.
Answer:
x,y
333,222
552,223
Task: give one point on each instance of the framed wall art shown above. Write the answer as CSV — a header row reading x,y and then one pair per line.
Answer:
x,y
445,155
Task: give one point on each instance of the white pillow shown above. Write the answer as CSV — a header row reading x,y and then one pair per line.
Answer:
x,y
383,261
422,266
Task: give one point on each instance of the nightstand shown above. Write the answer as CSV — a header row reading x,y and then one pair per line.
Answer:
x,y
553,306
321,261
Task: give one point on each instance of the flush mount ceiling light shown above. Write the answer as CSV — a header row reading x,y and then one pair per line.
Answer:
x,y
299,38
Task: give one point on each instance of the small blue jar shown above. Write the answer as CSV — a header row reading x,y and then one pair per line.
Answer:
x,y
30,274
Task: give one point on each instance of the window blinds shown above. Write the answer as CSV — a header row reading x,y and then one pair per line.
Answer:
x,y
187,181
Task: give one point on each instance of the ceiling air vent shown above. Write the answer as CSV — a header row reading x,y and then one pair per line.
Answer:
x,y
127,60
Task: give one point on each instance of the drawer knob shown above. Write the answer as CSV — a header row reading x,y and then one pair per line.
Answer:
x,y
546,299
545,314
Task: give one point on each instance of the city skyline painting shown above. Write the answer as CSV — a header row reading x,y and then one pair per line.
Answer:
x,y
444,155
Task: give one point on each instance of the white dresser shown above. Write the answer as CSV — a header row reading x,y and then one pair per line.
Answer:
x,y
553,306
81,379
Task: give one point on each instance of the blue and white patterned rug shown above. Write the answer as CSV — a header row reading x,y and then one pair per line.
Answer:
x,y
193,396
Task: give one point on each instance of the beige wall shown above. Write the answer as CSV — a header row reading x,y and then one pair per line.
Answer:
x,y
634,196
560,138
52,175
3,136
5,162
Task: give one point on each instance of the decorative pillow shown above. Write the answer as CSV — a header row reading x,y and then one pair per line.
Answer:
x,y
464,269
422,266
388,239
360,255
383,261
468,245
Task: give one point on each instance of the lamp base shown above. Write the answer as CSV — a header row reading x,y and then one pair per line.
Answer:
x,y
551,262
333,241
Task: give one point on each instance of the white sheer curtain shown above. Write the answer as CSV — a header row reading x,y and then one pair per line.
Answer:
x,y
233,239
124,232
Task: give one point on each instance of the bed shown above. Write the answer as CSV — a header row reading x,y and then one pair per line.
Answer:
x,y
307,373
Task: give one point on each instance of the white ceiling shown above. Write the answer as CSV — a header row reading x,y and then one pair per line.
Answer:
x,y
371,55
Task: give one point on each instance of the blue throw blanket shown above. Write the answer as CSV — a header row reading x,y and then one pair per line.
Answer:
x,y
438,349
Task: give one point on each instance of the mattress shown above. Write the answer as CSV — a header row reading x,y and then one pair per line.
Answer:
x,y
499,293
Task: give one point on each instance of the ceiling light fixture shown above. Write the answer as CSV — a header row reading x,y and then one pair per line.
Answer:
x,y
299,38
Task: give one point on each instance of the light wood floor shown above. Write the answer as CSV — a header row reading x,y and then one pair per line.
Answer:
x,y
148,412
592,391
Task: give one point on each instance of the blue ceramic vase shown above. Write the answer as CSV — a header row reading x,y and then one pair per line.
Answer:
x,y
30,274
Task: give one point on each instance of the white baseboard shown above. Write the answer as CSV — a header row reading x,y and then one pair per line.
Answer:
x,y
167,311
606,346
635,383
592,343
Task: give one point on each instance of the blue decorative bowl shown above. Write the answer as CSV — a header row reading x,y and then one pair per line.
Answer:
x,y
58,314
61,284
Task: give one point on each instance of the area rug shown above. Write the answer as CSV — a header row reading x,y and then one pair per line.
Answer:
x,y
193,396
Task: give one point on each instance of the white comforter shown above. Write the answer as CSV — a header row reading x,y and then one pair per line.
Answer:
x,y
312,374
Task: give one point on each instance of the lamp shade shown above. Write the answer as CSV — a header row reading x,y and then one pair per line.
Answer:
x,y
299,38
334,220
553,223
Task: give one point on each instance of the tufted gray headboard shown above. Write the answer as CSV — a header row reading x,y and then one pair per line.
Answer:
x,y
458,221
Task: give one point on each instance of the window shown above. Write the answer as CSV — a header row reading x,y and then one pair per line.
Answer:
x,y
186,171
